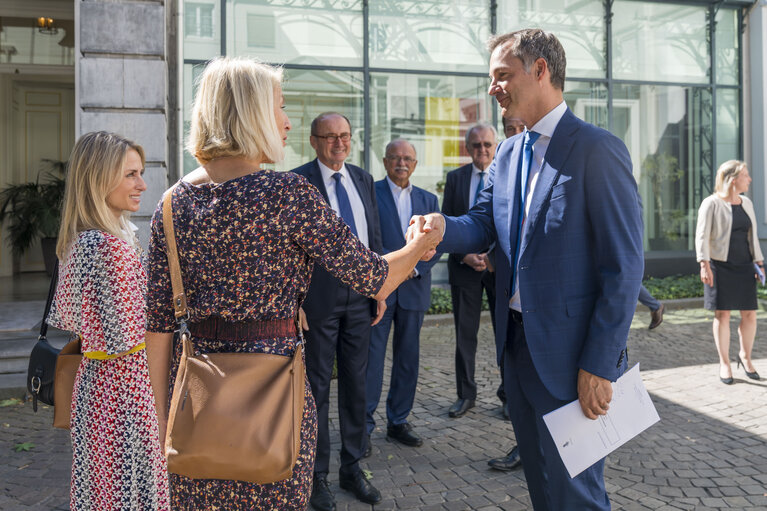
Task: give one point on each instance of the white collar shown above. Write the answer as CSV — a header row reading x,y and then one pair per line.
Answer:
x,y
394,187
328,173
548,123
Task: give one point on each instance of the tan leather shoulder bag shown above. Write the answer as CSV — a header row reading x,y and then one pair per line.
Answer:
x,y
232,416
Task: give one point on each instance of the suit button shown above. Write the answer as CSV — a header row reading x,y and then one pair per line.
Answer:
x,y
506,293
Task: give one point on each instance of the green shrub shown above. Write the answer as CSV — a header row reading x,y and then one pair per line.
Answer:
x,y
675,286
667,288
442,303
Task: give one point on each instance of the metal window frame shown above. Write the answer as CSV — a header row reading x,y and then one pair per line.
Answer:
x,y
609,81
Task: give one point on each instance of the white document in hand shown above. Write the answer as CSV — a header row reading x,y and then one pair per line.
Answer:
x,y
581,442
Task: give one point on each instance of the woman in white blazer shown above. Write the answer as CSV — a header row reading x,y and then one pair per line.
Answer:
x,y
727,249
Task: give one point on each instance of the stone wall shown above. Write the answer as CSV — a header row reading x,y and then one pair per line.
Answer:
x,y
122,82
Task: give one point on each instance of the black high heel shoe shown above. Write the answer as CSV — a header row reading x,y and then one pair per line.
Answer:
x,y
753,376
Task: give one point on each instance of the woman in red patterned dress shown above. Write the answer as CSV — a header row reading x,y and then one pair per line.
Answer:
x,y
117,460
247,241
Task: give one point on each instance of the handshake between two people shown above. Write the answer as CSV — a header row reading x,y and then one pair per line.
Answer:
x,y
426,231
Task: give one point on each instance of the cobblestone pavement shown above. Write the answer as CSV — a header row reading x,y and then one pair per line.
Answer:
x,y
708,452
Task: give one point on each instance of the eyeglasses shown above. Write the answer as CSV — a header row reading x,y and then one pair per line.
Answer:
x,y
332,137
407,159
477,145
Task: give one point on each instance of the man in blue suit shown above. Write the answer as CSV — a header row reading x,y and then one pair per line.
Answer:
x,y
563,208
398,201
339,319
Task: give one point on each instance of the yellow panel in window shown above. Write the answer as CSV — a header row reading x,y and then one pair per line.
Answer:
x,y
442,118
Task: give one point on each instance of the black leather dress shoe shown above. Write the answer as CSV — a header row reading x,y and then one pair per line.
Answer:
x,y
360,487
508,462
322,499
368,447
403,433
656,317
460,407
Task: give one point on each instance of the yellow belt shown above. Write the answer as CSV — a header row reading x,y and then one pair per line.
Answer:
x,y
103,355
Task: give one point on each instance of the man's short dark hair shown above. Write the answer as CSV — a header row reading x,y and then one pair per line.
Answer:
x,y
529,45
317,120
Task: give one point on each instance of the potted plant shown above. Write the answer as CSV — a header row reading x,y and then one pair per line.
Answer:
x,y
33,210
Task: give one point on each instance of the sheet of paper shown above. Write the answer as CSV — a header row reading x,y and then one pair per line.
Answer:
x,y
582,442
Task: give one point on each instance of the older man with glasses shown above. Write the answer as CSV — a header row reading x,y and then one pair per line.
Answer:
x,y
339,319
398,201
468,273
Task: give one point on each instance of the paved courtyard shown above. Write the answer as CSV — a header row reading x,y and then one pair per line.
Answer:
x,y
708,452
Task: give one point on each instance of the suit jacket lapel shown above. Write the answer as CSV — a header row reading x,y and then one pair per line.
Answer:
x,y
463,187
364,193
554,160
315,178
388,210
505,179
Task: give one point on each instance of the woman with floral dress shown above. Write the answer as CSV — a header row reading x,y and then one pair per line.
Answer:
x,y
117,460
247,242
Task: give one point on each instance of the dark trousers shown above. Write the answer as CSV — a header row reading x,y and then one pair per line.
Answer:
x,y
404,371
467,307
343,335
648,300
550,486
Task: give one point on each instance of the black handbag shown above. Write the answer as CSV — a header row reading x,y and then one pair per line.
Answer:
x,y
42,360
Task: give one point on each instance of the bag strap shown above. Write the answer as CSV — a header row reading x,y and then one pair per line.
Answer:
x,y
49,302
179,297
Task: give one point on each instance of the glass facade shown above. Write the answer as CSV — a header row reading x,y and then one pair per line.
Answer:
x,y
663,76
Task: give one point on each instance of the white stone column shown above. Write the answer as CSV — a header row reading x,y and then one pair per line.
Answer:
x,y
122,82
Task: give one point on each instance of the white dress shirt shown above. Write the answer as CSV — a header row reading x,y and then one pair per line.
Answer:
x,y
404,203
358,208
545,127
474,183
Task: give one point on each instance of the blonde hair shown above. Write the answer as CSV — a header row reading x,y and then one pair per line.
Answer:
x,y
94,170
233,113
726,174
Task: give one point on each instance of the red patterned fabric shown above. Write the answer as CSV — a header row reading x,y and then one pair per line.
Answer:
x,y
117,459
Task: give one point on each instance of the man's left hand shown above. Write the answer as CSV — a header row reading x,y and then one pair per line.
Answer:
x,y
594,394
379,312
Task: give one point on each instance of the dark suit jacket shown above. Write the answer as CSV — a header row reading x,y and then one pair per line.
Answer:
x,y
413,294
321,297
455,202
581,259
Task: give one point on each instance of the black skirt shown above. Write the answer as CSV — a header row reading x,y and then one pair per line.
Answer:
x,y
734,287
734,282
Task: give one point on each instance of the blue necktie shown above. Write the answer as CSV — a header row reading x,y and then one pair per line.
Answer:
x,y
480,186
522,177
344,206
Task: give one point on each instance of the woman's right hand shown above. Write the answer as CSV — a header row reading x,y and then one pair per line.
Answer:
x,y
705,273
426,233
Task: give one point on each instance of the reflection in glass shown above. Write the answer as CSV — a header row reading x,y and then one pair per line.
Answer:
x,y
441,35
660,42
201,29
727,37
22,43
433,113
588,101
296,31
727,125
308,94
579,26
192,74
668,132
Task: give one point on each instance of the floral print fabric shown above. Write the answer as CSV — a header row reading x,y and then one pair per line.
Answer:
x,y
247,249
